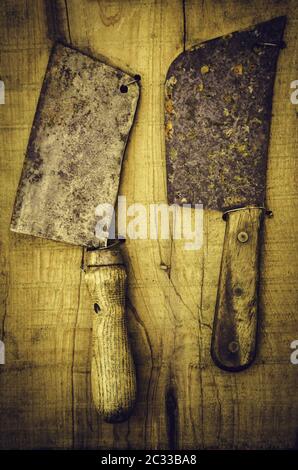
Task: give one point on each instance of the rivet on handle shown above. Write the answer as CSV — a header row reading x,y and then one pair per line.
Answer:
x,y
242,237
238,291
233,346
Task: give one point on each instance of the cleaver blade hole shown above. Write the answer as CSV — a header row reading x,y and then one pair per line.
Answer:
x,y
124,89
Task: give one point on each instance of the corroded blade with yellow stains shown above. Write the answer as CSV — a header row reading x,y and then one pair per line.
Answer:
x,y
217,121
75,151
218,109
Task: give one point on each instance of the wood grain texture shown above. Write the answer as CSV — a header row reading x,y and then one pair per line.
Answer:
x,y
233,345
184,400
113,379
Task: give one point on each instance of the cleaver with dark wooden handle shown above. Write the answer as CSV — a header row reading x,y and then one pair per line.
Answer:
x,y
70,175
218,101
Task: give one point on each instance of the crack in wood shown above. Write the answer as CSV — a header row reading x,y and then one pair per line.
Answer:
x,y
172,418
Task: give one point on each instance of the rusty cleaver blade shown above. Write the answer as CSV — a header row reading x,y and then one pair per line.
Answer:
x,y
218,100
72,167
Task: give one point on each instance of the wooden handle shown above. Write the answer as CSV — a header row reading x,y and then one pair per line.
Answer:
x,y
233,345
112,370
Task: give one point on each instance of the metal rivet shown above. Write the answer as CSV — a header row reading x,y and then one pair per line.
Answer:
x,y
233,347
242,237
238,291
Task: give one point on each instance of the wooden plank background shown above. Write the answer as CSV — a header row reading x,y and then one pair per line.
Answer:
x,y
184,401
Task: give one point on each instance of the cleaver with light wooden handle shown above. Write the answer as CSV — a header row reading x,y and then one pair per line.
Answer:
x,y
218,102
70,176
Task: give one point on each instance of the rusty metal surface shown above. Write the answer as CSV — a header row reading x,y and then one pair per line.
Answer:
x,y
218,100
76,146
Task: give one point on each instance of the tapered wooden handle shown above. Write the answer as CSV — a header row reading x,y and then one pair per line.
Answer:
x,y
112,370
233,345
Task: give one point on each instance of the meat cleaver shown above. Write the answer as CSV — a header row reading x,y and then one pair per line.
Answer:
x,y
218,100
71,170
